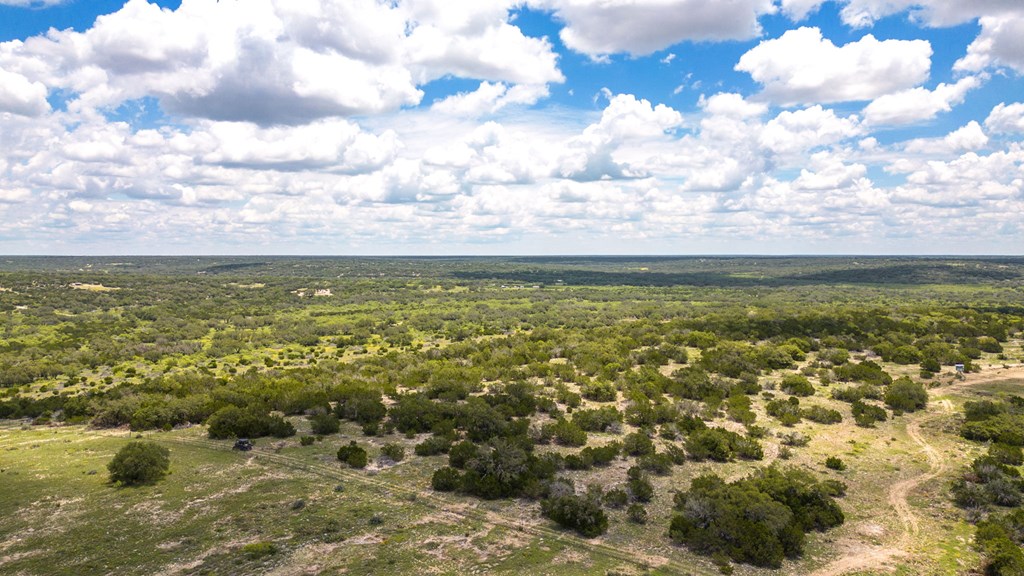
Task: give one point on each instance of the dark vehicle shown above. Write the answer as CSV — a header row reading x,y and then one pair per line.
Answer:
x,y
243,444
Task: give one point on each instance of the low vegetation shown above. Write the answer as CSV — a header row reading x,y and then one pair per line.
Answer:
x,y
571,395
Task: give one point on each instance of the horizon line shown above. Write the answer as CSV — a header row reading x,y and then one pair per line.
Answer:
x,y
522,255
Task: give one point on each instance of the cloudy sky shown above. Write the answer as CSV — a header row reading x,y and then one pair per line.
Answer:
x,y
511,127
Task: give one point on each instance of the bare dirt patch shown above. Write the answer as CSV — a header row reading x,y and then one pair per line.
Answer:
x,y
188,567
4,560
92,287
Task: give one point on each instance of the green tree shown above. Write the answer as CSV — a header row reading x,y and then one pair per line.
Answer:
x,y
138,463
906,395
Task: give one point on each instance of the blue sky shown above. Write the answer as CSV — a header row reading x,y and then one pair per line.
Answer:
x,y
511,127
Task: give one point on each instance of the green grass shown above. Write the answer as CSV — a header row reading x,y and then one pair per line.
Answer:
x,y
59,514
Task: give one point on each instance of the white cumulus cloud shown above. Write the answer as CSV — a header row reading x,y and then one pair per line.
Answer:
x,y
1001,43
804,67
597,153
918,104
21,96
281,61
966,138
1006,118
935,13
797,10
807,129
603,27
490,98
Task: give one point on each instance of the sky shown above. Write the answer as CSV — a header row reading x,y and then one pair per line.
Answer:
x,y
436,127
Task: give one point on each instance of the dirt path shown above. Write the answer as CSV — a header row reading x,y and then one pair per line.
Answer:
x,y
898,492
861,558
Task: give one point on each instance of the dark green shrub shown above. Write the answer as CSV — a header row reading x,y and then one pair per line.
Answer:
x,y
822,415
738,409
393,451
598,419
906,395
660,464
433,446
602,455
834,356
567,433
677,454
865,415
787,411
687,424
1002,552
615,498
867,372
235,422
600,391
796,385
1006,454
324,424
637,514
461,453
857,393
413,413
1004,428
353,455
365,406
503,470
639,485
584,515
835,463
931,365
446,479
989,344
967,494
139,463
721,446
579,461
637,444
715,518
307,440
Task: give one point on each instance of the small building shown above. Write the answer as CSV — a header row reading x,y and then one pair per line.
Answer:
x,y
959,368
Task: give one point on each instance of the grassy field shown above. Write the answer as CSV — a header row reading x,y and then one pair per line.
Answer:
x,y
59,514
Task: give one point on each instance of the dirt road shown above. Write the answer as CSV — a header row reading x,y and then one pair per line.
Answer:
x,y
862,558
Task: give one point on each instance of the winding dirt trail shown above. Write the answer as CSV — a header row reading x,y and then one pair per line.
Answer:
x,y
898,492
867,557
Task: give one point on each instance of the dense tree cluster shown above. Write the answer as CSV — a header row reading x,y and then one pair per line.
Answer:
x,y
994,481
1000,539
760,520
235,422
1001,422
